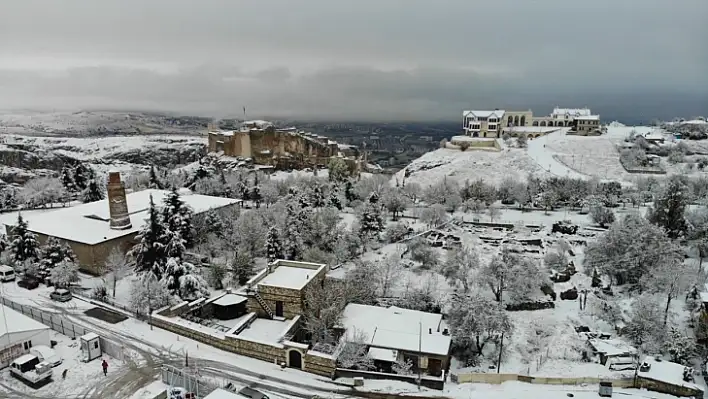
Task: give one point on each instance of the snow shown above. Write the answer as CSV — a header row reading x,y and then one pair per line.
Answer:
x,y
470,139
570,111
290,277
264,330
483,114
530,129
385,355
15,322
89,337
665,371
396,328
89,223
612,347
229,299
222,394
150,391
588,118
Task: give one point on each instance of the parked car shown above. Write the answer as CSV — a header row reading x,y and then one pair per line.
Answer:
x,y
7,273
46,354
252,393
61,295
181,393
29,283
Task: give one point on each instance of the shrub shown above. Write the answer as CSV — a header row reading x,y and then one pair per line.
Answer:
x,y
100,293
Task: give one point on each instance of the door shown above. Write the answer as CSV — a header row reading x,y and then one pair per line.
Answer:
x,y
435,367
295,359
279,308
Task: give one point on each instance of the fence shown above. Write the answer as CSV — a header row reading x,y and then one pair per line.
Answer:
x,y
174,377
492,378
62,325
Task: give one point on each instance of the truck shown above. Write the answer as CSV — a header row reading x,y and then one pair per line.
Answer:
x,y
31,371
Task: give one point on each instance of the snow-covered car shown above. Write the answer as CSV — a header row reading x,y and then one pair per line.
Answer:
x,y
181,393
61,295
47,355
252,393
7,273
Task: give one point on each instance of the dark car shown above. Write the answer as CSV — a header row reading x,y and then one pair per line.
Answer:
x,y
252,393
61,295
29,283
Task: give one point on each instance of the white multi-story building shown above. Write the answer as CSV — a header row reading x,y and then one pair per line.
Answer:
x,y
482,123
492,123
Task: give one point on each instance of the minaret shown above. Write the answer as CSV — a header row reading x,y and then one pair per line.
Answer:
x,y
117,205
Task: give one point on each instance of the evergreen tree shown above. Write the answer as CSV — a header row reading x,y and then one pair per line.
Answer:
x,y
222,177
370,220
670,206
54,252
154,182
67,180
214,224
93,192
181,278
255,193
334,198
177,217
242,267
349,193
274,248
81,177
317,197
3,243
149,252
24,244
292,239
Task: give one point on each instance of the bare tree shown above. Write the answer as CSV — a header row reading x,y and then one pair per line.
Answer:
x,y
116,268
389,271
460,267
493,212
353,351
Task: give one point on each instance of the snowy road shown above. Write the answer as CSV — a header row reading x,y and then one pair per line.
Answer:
x,y
538,152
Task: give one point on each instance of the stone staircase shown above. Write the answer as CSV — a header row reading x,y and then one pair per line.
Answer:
x,y
263,304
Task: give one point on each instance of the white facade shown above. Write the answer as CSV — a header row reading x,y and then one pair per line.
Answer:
x,y
482,123
19,333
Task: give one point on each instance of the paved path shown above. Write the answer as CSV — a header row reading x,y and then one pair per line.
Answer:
x,y
544,158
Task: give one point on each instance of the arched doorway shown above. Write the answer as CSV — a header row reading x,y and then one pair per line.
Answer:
x,y
475,134
535,123
510,121
294,359
516,120
543,123
523,120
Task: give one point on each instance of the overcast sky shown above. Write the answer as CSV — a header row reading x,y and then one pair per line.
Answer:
x,y
356,59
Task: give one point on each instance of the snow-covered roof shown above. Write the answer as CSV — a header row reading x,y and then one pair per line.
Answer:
x,y
399,329
499,113
24,358
588,117
470,139
258,123
288,277
222,394
89,223
571,112
384,355
17,322
612,347
665,371
229,299
89,336
223,132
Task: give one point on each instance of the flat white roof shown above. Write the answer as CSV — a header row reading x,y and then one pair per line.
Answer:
x,y
24,358
483,114
288,277
612,347
17,322
89,223
665,371
230,299
266,330
396,328
222,394
90,336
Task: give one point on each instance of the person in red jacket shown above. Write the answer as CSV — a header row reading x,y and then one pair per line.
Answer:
x,y
104,364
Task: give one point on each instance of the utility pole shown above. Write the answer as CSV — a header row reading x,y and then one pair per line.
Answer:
x,y
501,348
420,350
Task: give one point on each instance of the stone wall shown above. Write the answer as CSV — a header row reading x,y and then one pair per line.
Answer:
x,y
292,301
319,363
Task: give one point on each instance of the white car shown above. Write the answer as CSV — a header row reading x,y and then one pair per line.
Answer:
x,y
47,355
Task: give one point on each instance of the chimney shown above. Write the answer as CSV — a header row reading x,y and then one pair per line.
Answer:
x,y
117,205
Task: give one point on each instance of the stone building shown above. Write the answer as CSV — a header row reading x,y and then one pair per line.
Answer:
x,y
281,148
493,123
92,230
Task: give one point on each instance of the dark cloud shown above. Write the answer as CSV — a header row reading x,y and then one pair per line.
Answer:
x,y
370,59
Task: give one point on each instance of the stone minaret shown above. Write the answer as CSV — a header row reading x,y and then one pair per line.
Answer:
x,y
117,205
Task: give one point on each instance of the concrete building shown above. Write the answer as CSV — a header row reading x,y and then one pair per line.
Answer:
x,y
18,334
92,230
492,124
288,148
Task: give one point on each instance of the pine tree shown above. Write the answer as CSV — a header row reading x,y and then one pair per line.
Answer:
x,y
54,252
177,217
214,224
93,192
317,197
3,243
334,198
81,177
255,193
154,181
24,244
149,252
274,248
181,279
349,193
67,180
242,267
370,220
292,239
670,206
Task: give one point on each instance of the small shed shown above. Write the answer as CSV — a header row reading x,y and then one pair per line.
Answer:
x,y
229,306
90,347
605,389
608,349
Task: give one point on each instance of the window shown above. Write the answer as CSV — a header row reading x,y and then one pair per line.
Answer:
x,y
475,126
492,127
27,345
493,120
95,344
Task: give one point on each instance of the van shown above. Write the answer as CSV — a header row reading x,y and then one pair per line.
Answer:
x,y
7,273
